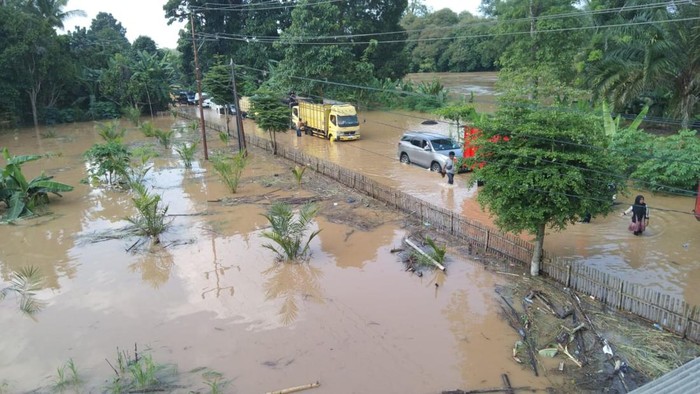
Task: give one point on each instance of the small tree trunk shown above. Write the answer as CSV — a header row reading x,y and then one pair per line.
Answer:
x,y
537,253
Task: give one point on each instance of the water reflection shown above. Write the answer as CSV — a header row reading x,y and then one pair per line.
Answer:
x,y
154,266
292,283
217,272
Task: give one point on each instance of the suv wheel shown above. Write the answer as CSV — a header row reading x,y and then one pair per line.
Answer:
x,y
435,167
404,159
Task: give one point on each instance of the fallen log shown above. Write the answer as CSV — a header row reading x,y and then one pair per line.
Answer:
x,y
492,390
296,388
419,250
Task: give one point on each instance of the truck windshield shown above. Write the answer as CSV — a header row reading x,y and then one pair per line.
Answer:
x,y
347,121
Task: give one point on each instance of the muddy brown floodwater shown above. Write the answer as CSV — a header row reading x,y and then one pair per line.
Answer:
x,y
666,258
212,297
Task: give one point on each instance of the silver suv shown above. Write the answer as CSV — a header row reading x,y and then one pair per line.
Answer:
x,y
428,150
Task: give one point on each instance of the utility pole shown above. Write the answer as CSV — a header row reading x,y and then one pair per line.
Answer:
x,y
239,120
199,90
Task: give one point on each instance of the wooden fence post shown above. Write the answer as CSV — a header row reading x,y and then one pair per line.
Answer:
x,y
619,294
568,275
486,241
687,322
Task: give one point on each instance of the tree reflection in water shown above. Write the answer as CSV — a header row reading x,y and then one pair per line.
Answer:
x,y
25,283
289,281
154,266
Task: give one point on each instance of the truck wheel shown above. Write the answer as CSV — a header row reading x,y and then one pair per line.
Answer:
x,y
404,159
435,167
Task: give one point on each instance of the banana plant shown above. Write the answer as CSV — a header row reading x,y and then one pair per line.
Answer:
x,y
20,195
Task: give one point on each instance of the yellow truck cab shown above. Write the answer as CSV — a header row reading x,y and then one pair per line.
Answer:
x,y
331,121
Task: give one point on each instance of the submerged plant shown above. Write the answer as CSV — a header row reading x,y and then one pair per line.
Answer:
x,y
224,137
230,169
109,160
69,378
165,137
22,196
436,252
133,114
111,131
151,219
25,283
148,129
187,152
288,230
139,374
298,172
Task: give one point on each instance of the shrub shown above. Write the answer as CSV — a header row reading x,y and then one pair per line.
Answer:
x,y
110,160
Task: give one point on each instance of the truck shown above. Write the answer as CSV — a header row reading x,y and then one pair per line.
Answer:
x,y
330,121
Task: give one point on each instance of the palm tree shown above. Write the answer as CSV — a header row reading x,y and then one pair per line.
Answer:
x,y
659,62
52,10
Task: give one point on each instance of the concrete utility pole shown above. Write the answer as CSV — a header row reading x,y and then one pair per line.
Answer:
x,y
239,120
199,90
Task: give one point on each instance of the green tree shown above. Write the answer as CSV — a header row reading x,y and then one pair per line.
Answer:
x,y
553,169
28,50
151,80
271,115
144,43
654,59
540,63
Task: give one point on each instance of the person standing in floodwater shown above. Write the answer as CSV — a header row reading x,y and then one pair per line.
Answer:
x,y
640,215
450,168
300,124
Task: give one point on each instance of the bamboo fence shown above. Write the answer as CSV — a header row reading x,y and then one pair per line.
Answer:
x,y
671,313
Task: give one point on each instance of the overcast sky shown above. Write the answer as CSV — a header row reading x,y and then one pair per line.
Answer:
x,y
145,17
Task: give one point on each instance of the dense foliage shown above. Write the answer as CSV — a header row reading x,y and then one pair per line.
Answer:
x,y
631,54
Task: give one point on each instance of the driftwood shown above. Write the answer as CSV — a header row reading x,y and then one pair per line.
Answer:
x,y
506,384
492,390
419,250
514,321
296,388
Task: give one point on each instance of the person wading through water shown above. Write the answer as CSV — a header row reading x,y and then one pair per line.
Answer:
x,y
300,124
640,215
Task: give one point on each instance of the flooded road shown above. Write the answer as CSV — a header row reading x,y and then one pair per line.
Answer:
x,y
210,296
666,258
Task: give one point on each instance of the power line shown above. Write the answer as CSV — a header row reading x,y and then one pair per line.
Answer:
x,y
488,22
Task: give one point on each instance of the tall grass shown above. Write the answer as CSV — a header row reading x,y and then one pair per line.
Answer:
x,y
230,169
139,374
69,378
187,152
288,230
